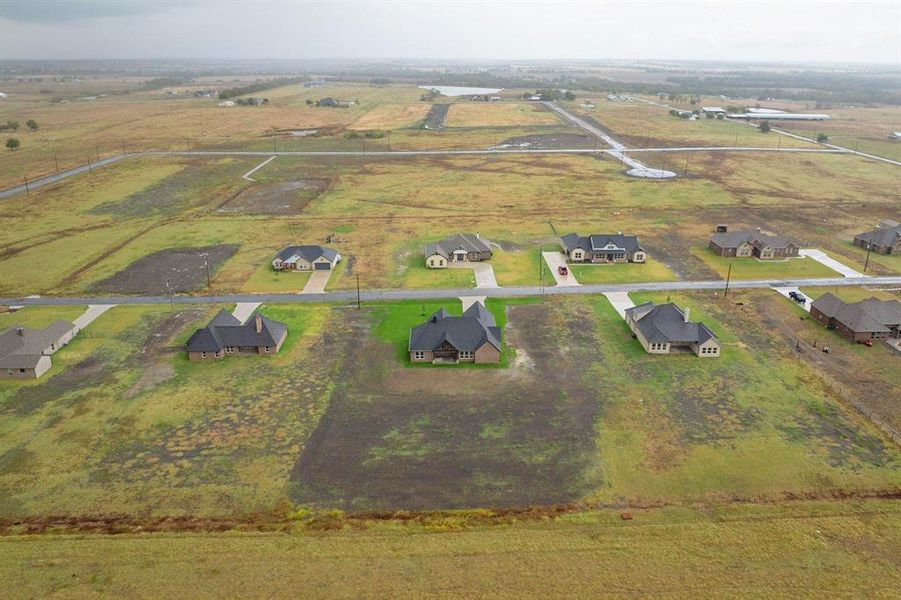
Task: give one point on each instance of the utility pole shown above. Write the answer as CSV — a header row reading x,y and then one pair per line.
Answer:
x,y
25,177
685,172
728,277
358,291
98,152
857,145
209,284
124,152
169,291
89,164
867,261
56,160
273,143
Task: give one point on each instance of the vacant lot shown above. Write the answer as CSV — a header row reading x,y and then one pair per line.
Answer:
x,y
288,198
177,270
391,116
498,114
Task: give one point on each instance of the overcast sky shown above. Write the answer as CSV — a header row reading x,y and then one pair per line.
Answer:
x,y
731,30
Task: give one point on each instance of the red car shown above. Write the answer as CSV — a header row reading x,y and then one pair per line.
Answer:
x,y
563,270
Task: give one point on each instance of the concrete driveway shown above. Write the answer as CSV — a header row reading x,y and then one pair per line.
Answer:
x,y
784,292
620,302
555,260
91,314
483,271
470,300
317,282
823,258
243,310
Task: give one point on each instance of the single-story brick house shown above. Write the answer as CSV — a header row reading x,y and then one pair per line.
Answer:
x,y
305,258
665,328
602,248
885,239
760,244
870,319
226,335
444,339
461,247
25,353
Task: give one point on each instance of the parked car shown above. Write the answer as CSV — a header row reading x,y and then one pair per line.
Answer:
x,y
562,270
797,297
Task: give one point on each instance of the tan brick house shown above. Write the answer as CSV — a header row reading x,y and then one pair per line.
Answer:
x,y
758,244
443,339
226,336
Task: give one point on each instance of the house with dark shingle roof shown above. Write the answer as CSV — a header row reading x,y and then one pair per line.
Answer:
x,y
25,353
602,248
443,339
305,258
870,319
225,336
665,328
748,243
461,247
885,239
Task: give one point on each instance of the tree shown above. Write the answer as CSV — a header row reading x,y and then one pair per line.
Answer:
x,y
822,138
13,125
764,127
569,95
31,124
12,143
309,102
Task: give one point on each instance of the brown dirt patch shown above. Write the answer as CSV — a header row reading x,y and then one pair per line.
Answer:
x,y
552,141
284,198
184,268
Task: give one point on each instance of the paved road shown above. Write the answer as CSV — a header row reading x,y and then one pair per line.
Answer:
x,y
619,149
439,294
63,175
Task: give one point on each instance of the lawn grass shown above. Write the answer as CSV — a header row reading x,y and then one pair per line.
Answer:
x,y
40,316
834,548
392,323
650,270
267,279
752,268
391,116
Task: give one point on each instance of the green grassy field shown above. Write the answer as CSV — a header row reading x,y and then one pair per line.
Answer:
x,y
752,268
799,550
651,270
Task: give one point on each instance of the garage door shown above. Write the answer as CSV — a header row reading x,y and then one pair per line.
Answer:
x,y
322,266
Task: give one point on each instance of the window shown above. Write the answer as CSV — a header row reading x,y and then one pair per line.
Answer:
x,y
418,355
203,355
466,354
267,348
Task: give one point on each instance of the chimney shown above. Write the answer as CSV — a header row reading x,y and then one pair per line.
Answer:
x,y
686,312
259,323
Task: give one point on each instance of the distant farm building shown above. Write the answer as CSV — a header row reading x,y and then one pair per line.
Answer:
x,y
781,116
713,110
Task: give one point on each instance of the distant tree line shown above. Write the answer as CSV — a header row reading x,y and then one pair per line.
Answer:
x,y
260,86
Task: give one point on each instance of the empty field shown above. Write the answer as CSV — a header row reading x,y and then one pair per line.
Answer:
x,y
391,116
498,114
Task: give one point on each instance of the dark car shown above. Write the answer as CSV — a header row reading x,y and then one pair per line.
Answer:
x,y
797,297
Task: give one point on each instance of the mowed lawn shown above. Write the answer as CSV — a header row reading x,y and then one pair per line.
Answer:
x,y
832,548
498,114
753,268
651,270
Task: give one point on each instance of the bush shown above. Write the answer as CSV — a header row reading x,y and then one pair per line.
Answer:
x,y
12,143
822,138
31,124
764,127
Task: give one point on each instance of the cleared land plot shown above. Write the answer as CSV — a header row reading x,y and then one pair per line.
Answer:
x,y
177,270
498,114
551,141
286,198
747,550
391,116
